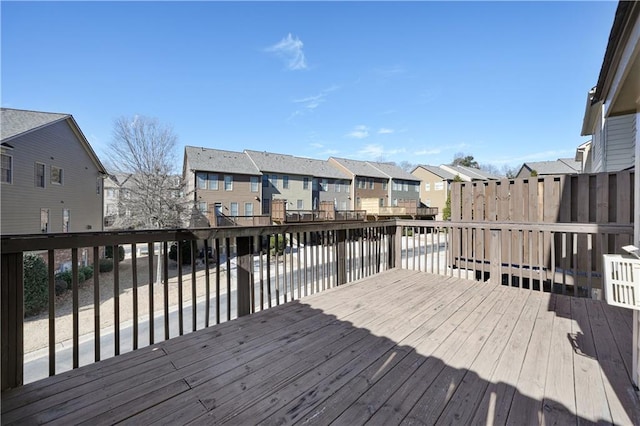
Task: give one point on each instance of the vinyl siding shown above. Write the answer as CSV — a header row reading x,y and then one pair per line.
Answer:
x,y
432,198
620,134
292,194
54,145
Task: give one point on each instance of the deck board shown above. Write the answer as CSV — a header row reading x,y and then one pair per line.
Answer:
x,y
397,347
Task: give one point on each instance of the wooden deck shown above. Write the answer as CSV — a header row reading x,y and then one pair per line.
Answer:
x,y
399,347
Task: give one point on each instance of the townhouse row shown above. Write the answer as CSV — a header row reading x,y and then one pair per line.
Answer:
x,y
246,184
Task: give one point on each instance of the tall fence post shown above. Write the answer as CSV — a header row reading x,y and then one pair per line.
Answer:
x,y
245,268
341,238
12,307
398,247
495,256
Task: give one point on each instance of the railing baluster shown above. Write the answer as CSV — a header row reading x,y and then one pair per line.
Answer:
x,y
277,261
52,313
261,269
207,283
298,275
116,300
180,291
291,271
194,294
151,309
134,286
96,303
306,282
217,249
574,250
227,244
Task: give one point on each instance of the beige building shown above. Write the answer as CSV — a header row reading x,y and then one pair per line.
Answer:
x,y
434,186
368,181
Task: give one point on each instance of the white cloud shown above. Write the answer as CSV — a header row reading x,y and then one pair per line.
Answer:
x,y
310,103
377,151
385,131
428,151
290,49
359,132
316,145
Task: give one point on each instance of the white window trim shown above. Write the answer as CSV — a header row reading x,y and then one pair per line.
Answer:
x,y
61,175
44,175
10,169
230,182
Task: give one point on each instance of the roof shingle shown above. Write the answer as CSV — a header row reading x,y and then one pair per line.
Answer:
x,y
14,122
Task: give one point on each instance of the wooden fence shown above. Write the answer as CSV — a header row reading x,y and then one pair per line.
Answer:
x,y
589,199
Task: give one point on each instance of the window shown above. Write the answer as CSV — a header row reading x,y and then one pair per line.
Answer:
x,y
324,185
248,209
65,220
438,186
416,187
44,220
40,175
394,186
361,183
234,209
202,180
266,206
300,204
347,187
228,183
285,182
338,185
254,184
213,181
305,183
274,180
427,186
358,201
381,202
217,209
7,169
371,184
202,207
56,175
384,185
265,181
98,185
395,202
405,186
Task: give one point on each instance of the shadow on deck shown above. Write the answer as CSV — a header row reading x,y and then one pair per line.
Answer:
x,y
397,347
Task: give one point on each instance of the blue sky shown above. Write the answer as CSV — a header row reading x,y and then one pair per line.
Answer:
x,y
399,81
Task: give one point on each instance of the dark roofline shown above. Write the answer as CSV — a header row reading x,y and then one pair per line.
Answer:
x,y
626,14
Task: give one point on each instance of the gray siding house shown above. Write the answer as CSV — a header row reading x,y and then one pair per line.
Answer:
x,y
225,185
402,185
612,114
52,180
284,177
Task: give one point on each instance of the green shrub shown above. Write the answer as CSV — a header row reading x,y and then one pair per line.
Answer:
x,y
279,246
108,253
36,289
106,265
185,247
87,271
61,286
65,276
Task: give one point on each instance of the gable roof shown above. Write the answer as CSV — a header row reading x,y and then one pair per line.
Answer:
x,y
360,168
442,173
393,171
18,122
289,164
561,166
15,122
217,160
472,172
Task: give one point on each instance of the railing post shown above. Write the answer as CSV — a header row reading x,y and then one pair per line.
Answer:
x,y
245,266
341,237
12,307
398,247
495,256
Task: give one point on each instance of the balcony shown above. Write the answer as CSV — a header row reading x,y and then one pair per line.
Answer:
x,y
386,322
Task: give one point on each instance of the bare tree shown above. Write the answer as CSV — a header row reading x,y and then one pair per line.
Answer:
x,y
153,197
406,166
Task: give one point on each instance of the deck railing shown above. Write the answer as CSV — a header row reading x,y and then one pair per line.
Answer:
x,y
228,272
231,272
560,257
